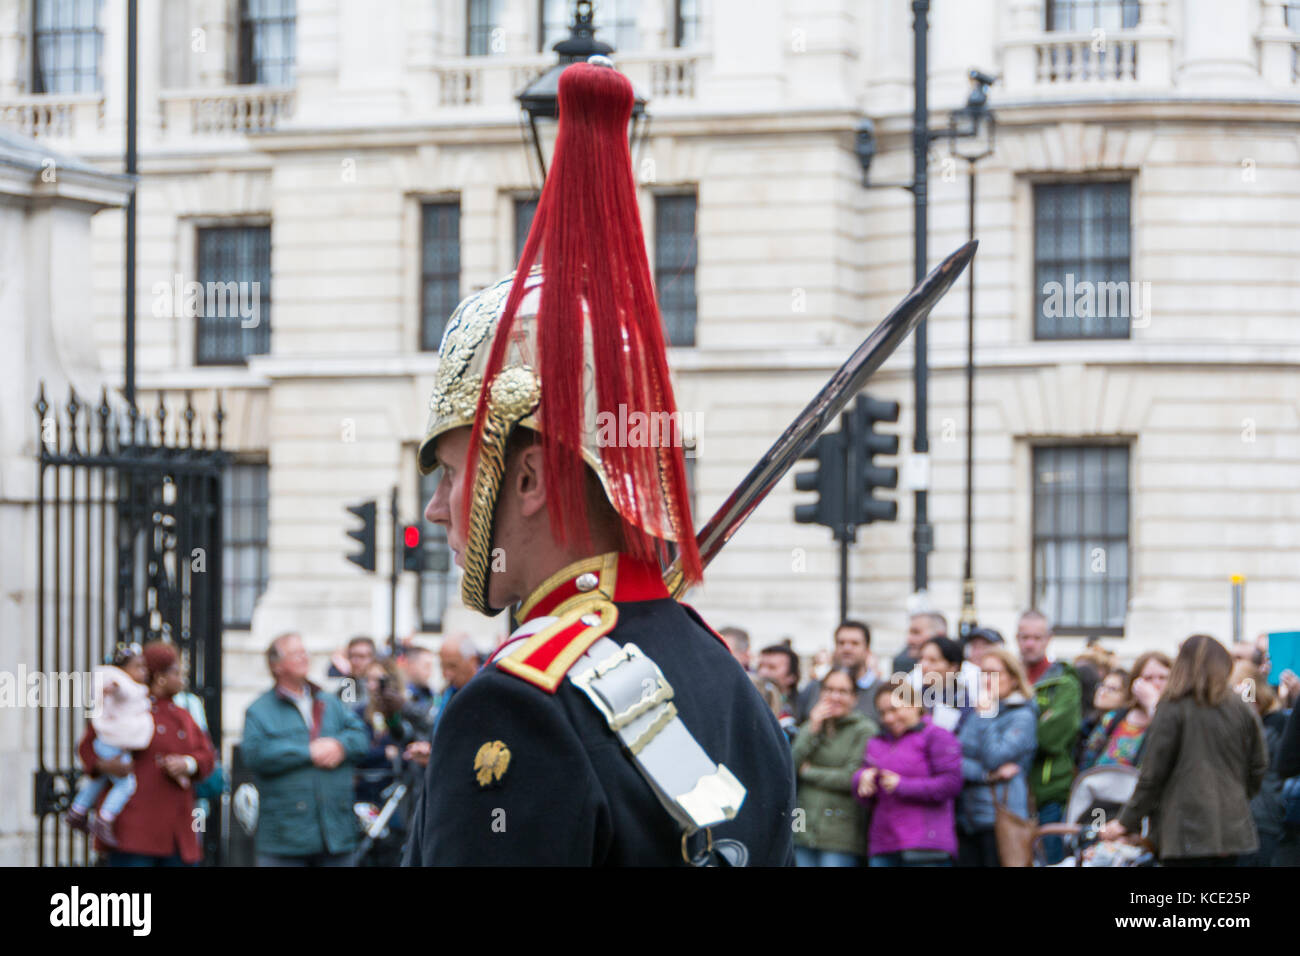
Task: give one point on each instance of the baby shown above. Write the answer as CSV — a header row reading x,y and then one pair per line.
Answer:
x,y
124,724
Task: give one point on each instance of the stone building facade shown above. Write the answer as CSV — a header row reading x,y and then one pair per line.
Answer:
x,y
366,161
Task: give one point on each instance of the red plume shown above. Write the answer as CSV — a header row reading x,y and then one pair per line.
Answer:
x,y
594,273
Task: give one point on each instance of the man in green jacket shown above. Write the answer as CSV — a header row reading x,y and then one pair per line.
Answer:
x,y
1060,711
300,743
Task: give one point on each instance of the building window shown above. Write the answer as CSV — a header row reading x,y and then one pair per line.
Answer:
x,y
67,44
525,209
675,261
439,270
266,41
1085,16
687,33
614,20
1081,514
1081,261
244,564
482,19
234,274
435,579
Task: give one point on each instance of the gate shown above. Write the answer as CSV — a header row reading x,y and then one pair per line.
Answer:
x,y
128,539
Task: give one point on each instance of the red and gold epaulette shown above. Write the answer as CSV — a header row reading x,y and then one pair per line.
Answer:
x,y
544,658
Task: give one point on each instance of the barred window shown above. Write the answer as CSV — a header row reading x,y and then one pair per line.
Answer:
x,y
244,559
435,579
688,23
482,19
1087,15
1081,518
675,262
1081,261
525,209
234,274
67,45
614,20
439,270
267,41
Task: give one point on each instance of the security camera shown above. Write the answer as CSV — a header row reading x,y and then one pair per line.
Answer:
x,y
983,79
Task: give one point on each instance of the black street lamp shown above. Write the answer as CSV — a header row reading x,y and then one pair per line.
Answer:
x,y
972,130
539,98
973,121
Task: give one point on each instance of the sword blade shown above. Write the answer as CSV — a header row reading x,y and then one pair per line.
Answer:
x,y
829,402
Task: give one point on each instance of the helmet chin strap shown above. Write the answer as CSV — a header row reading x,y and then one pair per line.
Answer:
x,y
513,395
482,516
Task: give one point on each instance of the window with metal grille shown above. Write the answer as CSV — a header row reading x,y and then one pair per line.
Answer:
x,y
1293,15
244,558
688,23
234,275
435,579
675,262
1081,261
267,41
525,209
482,19
439,270
1087,15
67,44
1081,518
614,20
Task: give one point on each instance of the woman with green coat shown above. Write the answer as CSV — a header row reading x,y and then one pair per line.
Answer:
x,y
830,825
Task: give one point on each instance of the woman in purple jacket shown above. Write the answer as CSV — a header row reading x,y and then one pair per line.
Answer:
x,y
910,776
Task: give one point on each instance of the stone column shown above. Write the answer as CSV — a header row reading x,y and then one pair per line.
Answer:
x,y
15,55
1218,49
1026,27
220,39
1276,45
749,44
1155,46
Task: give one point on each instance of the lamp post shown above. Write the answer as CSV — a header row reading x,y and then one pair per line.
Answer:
x,y
539,99
972,121
972,130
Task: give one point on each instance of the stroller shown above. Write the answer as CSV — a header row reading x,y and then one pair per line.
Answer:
x,y
1096,796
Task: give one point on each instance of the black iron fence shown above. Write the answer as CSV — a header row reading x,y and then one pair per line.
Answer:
x,y
128,540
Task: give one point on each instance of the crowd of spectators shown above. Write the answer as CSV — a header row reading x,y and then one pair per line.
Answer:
x,y
942,755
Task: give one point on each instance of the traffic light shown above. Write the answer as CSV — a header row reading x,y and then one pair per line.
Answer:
x,y
864,475
827,479
365,535
412,553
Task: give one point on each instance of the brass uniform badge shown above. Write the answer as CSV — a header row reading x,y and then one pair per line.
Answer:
x,y
490,762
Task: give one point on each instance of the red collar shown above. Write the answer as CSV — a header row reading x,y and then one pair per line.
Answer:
x,y
616,577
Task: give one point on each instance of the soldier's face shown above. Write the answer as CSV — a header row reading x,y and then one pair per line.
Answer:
x,y
446,505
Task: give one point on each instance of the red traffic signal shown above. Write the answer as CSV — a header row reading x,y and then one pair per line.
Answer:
x,y
412,553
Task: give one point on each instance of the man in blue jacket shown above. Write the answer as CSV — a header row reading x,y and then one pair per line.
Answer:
x,y
300,743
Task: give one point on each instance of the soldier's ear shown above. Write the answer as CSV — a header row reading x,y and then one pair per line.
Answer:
x,y
529,480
